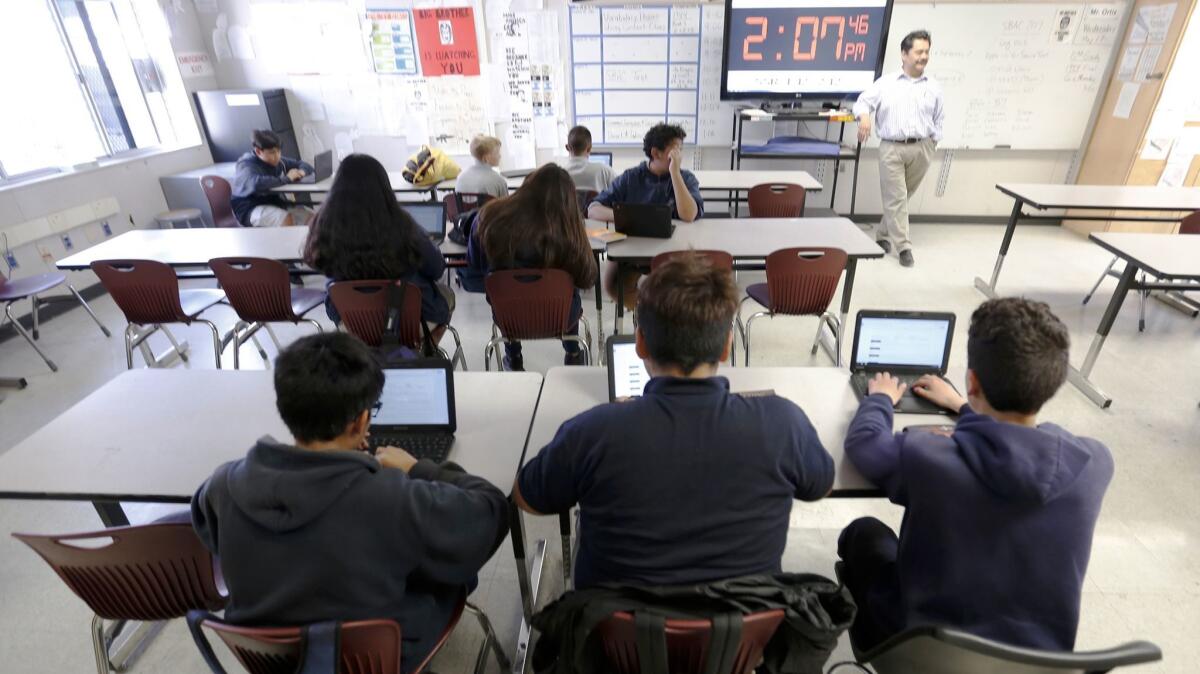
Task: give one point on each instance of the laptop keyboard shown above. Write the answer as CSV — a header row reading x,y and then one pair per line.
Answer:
x,y
435,447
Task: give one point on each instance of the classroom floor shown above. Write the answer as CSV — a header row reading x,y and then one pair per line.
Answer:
x,y
1144,578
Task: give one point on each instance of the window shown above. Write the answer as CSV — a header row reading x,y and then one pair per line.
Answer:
x,y
96,78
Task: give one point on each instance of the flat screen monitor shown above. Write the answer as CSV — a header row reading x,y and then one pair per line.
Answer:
x,y
601,158
788,49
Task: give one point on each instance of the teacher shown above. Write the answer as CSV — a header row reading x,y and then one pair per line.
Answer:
x,y
908,111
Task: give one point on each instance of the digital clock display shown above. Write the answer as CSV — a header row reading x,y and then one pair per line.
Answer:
x,y
786,48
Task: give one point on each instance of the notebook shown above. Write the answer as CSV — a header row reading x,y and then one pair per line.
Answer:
x,y
627,374
601,158
649,220
431,216
907,344
415,412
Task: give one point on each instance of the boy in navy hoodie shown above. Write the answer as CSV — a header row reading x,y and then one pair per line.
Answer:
x,y
999,514
321,530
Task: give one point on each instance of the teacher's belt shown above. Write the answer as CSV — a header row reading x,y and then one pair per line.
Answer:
x,y
906,141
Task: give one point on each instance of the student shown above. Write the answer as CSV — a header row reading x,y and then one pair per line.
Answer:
x,y
321,530
538,227
482,176
689,483
362,233
659,180
999,515
587,174
254,204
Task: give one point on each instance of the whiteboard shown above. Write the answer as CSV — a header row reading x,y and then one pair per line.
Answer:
x,y
1011,76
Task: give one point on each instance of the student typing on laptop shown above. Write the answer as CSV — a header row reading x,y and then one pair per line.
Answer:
x,y
688,483
321,530
659,180
999,516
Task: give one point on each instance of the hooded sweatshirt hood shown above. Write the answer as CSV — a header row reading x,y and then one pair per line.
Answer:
x,y
1019,463
281,487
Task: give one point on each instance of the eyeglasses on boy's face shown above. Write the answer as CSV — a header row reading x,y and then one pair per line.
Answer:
x,y
375,409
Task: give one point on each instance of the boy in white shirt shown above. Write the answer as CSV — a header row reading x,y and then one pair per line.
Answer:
x,y
588,175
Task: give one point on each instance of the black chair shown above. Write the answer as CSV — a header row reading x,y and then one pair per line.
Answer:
x,y
942,650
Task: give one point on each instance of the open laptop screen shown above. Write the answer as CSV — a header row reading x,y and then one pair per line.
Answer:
x,y
431,217
902,341
601,158
414,396
626,373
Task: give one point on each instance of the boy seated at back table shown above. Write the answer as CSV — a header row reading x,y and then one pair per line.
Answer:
x,y
259,170
999,515
689,483
659,180
322,530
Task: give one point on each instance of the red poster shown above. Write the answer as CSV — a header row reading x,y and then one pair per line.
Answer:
x,y
446,38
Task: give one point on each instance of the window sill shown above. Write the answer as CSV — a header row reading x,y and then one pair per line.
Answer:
x,y
99,165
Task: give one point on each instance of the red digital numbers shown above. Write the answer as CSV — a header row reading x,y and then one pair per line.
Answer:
x,y
809,55
809,34
860,24
841,26
761,22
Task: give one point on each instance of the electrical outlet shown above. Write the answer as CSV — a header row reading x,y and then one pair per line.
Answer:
x,y
46,255
107,229
67,243
11,260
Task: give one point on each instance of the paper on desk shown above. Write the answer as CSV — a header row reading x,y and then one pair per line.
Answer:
x,y
1125,101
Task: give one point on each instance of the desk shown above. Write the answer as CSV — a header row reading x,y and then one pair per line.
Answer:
x,y
1173,259
1087,198
396,178
755,239
195,247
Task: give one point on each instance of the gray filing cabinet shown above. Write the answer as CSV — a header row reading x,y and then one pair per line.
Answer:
x,y
183,190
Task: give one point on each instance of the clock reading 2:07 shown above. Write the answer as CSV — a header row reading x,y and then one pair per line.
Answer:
x,y
790,47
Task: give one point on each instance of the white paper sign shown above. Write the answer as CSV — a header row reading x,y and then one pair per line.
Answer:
x,y
1129,92
193,64
1148,63
1158,21
1129,61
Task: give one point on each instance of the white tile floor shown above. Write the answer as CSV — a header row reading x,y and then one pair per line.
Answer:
x,y
1144,579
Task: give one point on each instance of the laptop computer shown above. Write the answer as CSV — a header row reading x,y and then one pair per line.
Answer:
x,y
322,168
431,216
649,220
627,374
601,158
907,344
415,412
517,173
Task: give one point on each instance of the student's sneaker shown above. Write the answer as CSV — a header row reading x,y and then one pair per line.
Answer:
x,y
906,258
576,358
516,364
885,245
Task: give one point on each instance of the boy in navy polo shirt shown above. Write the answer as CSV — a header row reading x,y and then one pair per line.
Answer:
x,y
660,180
689,483
999,515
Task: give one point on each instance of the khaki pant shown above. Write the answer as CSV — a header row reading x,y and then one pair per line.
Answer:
x,y
901,168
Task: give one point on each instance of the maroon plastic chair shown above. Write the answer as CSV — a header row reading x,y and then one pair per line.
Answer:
x,y
30,287
530,304
261,292
362,307
719,259
148,293
687,642
1189,225
776,200
460,203
800,282
367,646
219,195
151,572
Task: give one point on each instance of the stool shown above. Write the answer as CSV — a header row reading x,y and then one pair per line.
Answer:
x,y
180,218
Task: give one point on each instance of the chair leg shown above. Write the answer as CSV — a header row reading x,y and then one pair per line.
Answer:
x,y
34,306
315,325
733,346
216,335
1142,294
129,346
174,343
86,307
274,340
21,331
490,642
583,345
459,357
1100,280
99,648
746,336
834,323
262,353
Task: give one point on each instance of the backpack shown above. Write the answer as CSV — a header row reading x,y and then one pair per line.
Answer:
x,y
390,348
429,166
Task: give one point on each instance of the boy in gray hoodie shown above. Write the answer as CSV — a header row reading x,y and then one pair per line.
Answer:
x,y
321,530
998,515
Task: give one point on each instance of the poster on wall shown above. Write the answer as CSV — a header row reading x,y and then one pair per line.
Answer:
x,y
392,48
446,37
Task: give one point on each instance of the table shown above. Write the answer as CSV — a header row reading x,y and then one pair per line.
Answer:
x,y
451,185
743,181
396,178
195,247
755,239
1174,260
1087,198
130,440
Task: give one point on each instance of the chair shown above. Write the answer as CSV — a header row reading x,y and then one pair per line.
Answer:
x,y
180,218
219,193
719,259
461,203
148,293
585,198
261,292
15,290
529,304
367,646
776,200
687,643
152,572
800,282
1189,225
942,650
363,307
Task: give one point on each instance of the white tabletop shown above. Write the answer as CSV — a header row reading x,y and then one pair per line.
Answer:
x,y
1164,255
193,247
1115,197
399,184
823,393
752,238
744,180
155,435
451,249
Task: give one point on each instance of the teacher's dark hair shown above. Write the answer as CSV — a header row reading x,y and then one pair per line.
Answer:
x,y
323,382
1018,350
907,43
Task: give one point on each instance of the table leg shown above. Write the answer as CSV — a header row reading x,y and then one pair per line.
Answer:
x,y
528,582
619,322
989,289
564,531
847,288
126,639
600,349
1080,377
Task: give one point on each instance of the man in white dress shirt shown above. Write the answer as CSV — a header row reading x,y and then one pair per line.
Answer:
x,y
908,111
